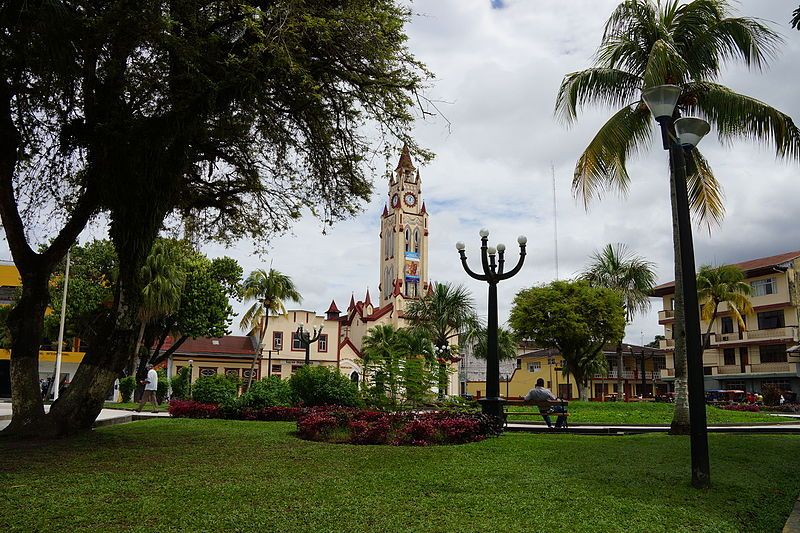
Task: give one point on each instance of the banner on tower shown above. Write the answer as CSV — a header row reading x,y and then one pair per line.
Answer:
x,y
412,266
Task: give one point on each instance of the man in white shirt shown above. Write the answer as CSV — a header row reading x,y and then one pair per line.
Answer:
x,y
540,394
150,388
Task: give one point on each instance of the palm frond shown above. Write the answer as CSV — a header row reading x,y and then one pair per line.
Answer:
x,y
602,166
706,197
605,86
664,65
795,22
736,116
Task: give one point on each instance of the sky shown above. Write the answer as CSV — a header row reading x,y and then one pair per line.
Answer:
x,y
498,65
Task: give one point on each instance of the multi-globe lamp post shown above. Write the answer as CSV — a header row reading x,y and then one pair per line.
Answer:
x,y
493,265
307,339
679,137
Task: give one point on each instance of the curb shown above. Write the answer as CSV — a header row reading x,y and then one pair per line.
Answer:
x,y
793,522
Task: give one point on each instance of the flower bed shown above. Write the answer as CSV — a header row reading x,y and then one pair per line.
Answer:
x,y
358,426
750,408
192,409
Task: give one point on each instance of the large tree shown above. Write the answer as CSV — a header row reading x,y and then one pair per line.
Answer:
x,y
447,313
235,115
647,43
576,319
720,285
268,290
616,268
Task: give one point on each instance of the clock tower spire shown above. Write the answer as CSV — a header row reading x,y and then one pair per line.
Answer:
x,y
404,237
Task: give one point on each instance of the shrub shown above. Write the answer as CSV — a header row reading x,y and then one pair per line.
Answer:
x,y
771,394
271,414
785,408
192,409
126,387
180,384
215,389
320,385
163,386
267,392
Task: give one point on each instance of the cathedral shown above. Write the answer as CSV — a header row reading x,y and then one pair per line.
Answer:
x,y
402,275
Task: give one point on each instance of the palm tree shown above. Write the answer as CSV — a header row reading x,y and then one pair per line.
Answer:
x,y
268,290
447,312
614,267
162,278
647,44
796,19
506,344
718,285
381,349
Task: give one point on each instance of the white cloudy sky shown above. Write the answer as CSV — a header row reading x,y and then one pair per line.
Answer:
x,y
498,64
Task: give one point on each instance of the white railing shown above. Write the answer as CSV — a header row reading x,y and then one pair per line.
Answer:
x,y
666,343
789,332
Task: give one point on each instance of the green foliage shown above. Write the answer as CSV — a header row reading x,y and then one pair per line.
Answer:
x,y
268,290
614,267
267,392
771,394
506,344
5,333
180,384
320,385
163,385
217,389
126,387
724,284
574,318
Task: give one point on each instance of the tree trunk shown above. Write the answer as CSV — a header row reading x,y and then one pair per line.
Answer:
x,y
583,391
620,366
260,351
680,416
26,322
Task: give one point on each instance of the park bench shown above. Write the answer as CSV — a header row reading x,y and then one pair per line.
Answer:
x,y
536,408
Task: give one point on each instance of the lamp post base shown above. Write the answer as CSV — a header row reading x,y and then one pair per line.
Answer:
x,y
492,407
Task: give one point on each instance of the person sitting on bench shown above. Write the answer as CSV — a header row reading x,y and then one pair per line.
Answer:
x,y
540,394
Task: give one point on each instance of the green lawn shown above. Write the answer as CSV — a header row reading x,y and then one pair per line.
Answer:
x,y
647,413
212,475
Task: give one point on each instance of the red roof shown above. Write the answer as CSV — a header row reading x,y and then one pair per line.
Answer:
x,y
333,308
751,268
228,345
405,159
367,301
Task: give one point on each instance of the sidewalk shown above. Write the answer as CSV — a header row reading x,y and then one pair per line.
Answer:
x,y
789,428
107,417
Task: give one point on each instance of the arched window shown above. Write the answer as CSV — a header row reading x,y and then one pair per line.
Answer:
x,y
354,377
408,239
416,240
386,244
391,239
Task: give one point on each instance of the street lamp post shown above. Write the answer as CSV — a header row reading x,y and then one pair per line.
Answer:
x,y
191,362
306,339
269,361
493,263
688,131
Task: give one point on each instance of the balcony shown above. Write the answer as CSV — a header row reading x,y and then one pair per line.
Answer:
x,y
666,314
729,369
667,373
666,344
630,374
773,367
789,332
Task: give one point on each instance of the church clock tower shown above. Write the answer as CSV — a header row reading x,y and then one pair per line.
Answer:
x,y
404,236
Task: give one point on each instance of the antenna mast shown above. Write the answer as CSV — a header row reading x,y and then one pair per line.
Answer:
x,y
555,217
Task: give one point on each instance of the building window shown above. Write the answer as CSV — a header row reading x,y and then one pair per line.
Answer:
x,y
277,340
729,355
706,370
232,372
296,344
763,287
416,240
780,384
519,364
322,344
408,239
208,371
246,374
770,319
276,369
295,368
727,324
736,385
672,304
773,353
659,362
533,367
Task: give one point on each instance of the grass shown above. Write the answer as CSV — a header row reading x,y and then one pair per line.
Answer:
x,y
213,475
649,413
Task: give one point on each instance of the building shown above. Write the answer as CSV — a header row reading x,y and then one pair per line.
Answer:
x,y
641,374
229,355
747,359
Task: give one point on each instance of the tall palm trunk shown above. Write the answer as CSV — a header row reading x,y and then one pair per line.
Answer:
x,y
680,416
707,336
260,350
620,363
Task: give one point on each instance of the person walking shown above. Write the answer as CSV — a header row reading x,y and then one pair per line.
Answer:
x,y
150,388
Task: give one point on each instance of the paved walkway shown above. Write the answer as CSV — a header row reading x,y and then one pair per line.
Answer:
x,y
791,428
107,417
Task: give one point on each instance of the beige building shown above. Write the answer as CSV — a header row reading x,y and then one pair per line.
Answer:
x,y
747,359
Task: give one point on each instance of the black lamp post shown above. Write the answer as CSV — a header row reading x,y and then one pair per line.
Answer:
x,y
306,339
679,135
269,361
493,273
191,362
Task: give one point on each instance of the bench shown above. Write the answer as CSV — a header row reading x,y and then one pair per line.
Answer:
x,y
537,408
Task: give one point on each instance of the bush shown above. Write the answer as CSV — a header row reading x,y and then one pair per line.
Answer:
x,y
267,392
126,387
180,384
215,389
358,426
272,414
192,409
785,408
771,394
163,385
320,385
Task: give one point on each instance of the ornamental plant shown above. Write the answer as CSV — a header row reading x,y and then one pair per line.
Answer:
x,y
216,389
126,387
320,385
267,392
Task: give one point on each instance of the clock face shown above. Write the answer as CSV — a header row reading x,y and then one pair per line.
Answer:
x,y
410,199
395,200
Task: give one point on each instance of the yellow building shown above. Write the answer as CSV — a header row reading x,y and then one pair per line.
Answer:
x,y
747,359
641,374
